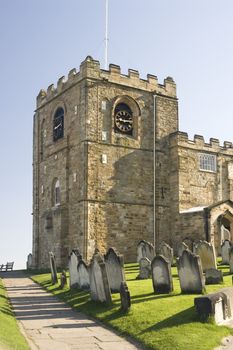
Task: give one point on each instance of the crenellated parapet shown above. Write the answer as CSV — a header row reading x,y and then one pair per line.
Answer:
x,y
180,138
90,69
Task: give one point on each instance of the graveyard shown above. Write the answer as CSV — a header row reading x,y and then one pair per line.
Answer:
x,y
160,319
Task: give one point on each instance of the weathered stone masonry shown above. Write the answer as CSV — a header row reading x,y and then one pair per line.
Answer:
x,y
93,186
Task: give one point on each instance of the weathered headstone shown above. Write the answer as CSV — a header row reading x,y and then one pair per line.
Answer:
x,y
225,247
63,279
213,276
99,286
225,234
83,275
190,273
231,259
189,242
207,255
115,269
125,297
145,250
161,275
166,251
144,269
29,261
181,247
74,259
218,305
53,268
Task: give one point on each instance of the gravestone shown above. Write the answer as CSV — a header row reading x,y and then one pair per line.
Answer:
x,y
225,233
99,286
144,269
63,279
74,259
166,251
125,297
115,269
207,255
53,268
161,275
83,275
213,276
189,242
225,247
218,305
29,261
231,259
181,247
190,273
145,250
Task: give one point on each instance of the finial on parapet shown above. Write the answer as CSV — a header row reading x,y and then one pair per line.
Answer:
x,y
114,69
199,139
227,144
90,68
132,73
170,85
214,142
42,94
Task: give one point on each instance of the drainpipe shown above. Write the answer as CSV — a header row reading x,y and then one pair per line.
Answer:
x,y
154,166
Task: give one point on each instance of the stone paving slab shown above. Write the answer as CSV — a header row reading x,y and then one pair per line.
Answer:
x,y
50,324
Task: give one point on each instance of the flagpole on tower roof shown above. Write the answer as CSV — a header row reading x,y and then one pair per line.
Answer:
x,y
106,36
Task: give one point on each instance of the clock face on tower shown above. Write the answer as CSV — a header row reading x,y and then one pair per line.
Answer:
x,y
123,118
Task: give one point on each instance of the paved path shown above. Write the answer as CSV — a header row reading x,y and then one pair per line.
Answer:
x,y
50,324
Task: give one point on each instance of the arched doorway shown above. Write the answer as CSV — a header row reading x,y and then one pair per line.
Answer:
x,y
224,229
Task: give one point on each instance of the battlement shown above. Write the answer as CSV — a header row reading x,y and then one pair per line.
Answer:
x,y
182,139
90,69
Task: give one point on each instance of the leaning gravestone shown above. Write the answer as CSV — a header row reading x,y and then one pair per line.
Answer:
x,y
213,276
99,286
161,275
144,269
145,250
53,268
63,279
125,297
29,261
225,247
207,255
181,247
231,259
190,273
74,259
166,251
115,269
83,275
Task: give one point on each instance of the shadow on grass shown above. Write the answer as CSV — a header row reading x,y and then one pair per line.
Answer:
x,y
6,311
183,317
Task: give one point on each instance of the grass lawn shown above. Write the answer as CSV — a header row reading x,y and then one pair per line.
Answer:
x,y
10,336
160,322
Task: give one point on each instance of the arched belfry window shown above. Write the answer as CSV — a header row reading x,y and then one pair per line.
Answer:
x,y
58,124
123,119
56,193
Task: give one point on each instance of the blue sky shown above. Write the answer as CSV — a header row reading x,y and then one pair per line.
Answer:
x,y
40,41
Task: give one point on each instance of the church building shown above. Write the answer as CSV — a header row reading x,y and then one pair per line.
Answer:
x,y
110,168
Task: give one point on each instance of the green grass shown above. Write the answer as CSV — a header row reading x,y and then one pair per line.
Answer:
x,y
10,336
160,322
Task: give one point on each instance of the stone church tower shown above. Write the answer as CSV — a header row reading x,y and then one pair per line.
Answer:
x,y
101,141
93,162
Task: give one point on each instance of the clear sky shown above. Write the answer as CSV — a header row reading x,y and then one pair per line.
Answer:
x,y
41,40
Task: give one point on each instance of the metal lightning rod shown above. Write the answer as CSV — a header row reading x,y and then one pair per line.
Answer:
x,y
106,36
